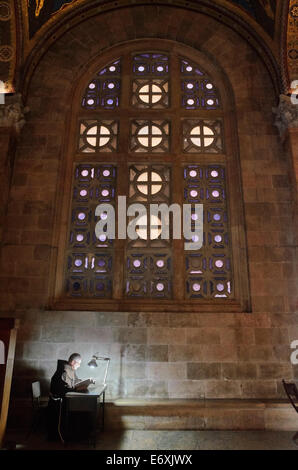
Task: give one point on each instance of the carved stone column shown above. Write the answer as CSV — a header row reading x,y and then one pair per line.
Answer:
x,y
11,122
287,123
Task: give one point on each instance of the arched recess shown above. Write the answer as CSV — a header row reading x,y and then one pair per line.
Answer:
x,y
240,299
229,16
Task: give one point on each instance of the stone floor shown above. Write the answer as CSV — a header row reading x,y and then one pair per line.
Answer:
x,y
164,440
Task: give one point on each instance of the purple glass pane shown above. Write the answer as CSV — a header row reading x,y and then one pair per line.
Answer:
x,y
137,263
218,263
218,238
78,262
80,238
82,216
196,287
220,287
106,173
216,217
160,287
160,263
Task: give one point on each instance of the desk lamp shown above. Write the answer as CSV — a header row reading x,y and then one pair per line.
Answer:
x,y
93,364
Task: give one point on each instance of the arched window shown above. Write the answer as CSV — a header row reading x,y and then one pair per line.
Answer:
x,y
152,126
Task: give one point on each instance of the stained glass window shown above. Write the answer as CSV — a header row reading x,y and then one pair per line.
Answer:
x,y
150,128
103,91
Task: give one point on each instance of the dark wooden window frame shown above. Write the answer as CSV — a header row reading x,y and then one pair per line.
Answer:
x,y
241,300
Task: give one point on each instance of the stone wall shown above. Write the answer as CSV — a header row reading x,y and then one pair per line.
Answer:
x,y
154,354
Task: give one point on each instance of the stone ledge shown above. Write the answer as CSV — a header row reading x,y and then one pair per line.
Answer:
x,y
160,414
201,414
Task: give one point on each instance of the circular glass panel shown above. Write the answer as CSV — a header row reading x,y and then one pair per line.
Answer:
x,y
137,263
105,135
208,132
153,91
155,227
80,237
146,187
219,263
160,263
196,287
160,287
218,238
143,136
194,136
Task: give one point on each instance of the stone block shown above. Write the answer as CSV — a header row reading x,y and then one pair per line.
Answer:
x,y
93,335
187,353
111,319
274,371
258,389
131,335
57,334
203,371
188,389
146,388
157,353
39,350
166,335
166,371
238,371
203,336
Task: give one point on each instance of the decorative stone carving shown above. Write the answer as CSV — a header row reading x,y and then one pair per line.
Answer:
x,y
12,113
286,114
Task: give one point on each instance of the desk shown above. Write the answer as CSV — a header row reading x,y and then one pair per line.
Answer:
x,y
86,402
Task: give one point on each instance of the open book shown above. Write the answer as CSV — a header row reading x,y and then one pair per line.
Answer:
x,y
83,384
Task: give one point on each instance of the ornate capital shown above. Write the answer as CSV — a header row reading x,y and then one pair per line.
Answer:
x,y
12,113
286,114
